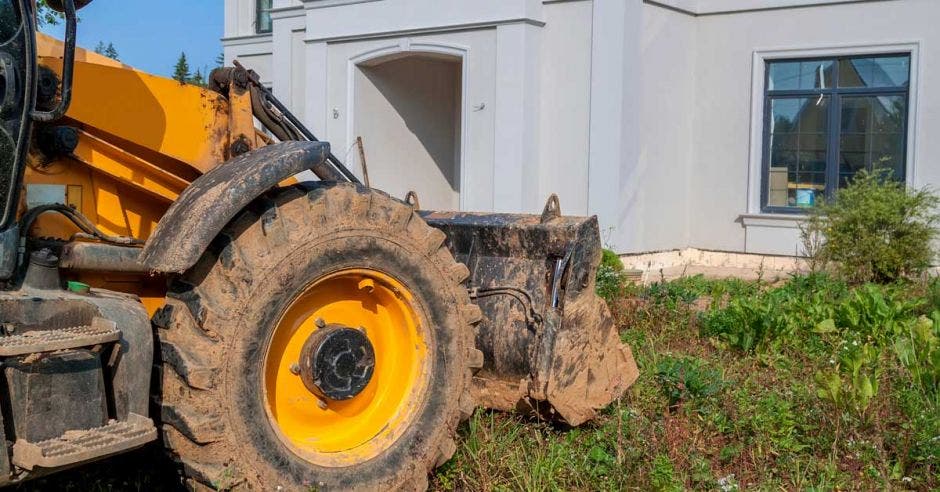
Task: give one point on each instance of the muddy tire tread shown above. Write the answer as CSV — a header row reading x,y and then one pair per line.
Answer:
x,y
192,337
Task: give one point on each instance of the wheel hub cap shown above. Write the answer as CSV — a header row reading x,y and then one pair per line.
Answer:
x,y
337,362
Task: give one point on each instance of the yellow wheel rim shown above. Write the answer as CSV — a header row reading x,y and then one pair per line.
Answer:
x,y
355,430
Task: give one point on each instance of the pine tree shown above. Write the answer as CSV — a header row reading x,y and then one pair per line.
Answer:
x,y
198,79
107,50
181,72
111,52
220,60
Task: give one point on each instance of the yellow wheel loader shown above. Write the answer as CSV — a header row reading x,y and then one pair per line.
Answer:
x,y
165,276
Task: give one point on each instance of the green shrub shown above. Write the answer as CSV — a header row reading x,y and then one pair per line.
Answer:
x,y
687,378
876,230
686,290
773,420
756,319
744,323
865,323
918,350
663,475
853,381
877,313
611,279
932,294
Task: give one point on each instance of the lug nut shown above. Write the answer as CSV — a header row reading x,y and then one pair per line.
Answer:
x,y
320,323
321,404
295,369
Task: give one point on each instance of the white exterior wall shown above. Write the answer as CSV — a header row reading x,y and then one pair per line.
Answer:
x,y
726,157
241,42
657,201
565,109
639,111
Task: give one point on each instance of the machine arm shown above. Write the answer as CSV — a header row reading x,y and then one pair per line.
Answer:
x,y
275,116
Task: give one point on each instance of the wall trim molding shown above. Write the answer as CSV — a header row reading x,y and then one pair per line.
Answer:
x,y
424,30
695,9
287,12
247,39
325,4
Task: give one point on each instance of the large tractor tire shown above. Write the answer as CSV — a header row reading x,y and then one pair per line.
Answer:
x,y
268,343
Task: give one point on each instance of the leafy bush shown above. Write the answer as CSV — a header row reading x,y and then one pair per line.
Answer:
x,y
918,350
853,381
865,324
765,318
663,475
611,279
686,290
876,230
877,313
773,419
932,294
687,378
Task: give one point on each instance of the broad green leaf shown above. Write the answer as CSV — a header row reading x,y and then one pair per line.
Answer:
x,y
825,326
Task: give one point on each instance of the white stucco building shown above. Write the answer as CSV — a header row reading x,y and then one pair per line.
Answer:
x,y
704,124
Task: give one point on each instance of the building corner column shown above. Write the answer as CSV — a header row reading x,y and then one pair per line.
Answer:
x,y
516,146
614,123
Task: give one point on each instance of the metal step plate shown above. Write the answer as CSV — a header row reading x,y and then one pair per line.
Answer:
x,y
80,446
100,331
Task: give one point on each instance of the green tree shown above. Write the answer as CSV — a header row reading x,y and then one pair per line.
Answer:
x,y
220,60
45,16
181,72
107,50
198,79
111,52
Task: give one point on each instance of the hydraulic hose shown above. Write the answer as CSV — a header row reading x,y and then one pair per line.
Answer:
x,y
89,230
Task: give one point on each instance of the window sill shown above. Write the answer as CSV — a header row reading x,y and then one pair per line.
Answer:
x,y
786,221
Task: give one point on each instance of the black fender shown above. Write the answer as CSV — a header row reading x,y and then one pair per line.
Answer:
x,y
215,198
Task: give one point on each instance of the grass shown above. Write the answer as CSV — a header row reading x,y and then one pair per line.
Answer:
x,y
147,469
709,412
706,415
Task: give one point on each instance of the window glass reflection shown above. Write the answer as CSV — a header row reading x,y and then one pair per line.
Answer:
x,y
798,149
885,71
800,75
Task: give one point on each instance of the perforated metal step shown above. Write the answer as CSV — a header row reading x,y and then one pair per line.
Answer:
x,y
99,331
80,446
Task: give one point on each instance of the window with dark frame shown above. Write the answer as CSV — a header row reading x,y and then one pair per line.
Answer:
x,y
263,16
826,119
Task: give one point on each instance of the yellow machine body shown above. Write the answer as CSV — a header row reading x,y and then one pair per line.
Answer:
x,y
142,140
537,337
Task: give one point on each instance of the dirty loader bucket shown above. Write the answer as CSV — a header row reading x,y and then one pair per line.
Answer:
x,y
549,343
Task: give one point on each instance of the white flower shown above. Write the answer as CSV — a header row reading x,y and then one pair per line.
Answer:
x,y
727,484
907,479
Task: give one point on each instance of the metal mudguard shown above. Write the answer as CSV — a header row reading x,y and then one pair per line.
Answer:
x,y
549,342
213,199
